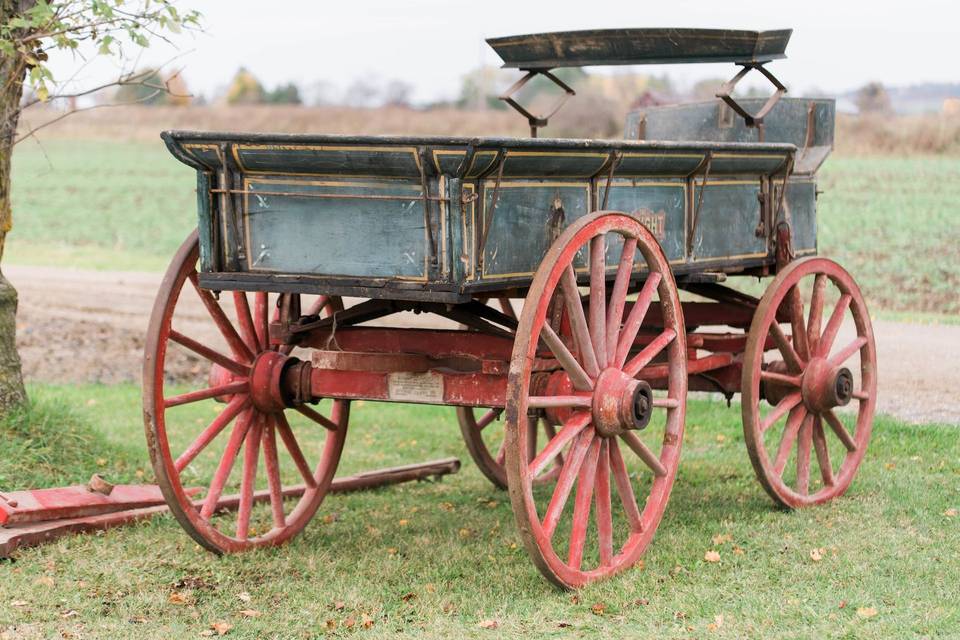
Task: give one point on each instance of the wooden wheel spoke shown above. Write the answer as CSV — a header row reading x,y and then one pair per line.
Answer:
x,y
649,352
251,457
293,448
598,298
230,453
543,402
487,418
578,376
245,320
797,326
568,474
780,378
644,453
271,463
577,423
823,452
228,389
225,417
815,318
840,430
551,433
261,312
618,297
318,305
604,517
789,436
861,395
507,307
786,404
790,355
581,505
317,417
847,352
825,344
624,487
209,354
631,327
502,453
234,341
666,403
803,455
578,322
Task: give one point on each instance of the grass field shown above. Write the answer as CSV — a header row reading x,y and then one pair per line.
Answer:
x,y
438,560
127,206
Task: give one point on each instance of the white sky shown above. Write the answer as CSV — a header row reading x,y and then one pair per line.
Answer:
x,y
836,44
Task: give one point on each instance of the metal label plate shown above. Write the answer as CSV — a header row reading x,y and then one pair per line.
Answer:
x,y
415,387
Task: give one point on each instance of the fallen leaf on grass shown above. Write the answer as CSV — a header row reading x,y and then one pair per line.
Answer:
x,y
222,628
73,613
716,624
866,612
244,596
489,624
44,581
817,554
350,622
738,550
178,598
366,622
711,556
951,513
250,613
598,608
407,597
720,538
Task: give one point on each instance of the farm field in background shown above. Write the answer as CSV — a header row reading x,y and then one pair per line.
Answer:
x,y
441,559
128,205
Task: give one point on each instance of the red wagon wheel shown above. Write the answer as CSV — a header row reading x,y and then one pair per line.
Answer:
x,y
485,436
610,403
811,375
196,435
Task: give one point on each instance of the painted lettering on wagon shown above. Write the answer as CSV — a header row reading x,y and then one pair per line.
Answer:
x,y
655,222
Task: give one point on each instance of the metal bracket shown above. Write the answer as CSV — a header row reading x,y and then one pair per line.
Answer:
x,y
536,121
752,120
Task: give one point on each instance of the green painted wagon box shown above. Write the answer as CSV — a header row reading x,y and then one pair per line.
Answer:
x,y
444,218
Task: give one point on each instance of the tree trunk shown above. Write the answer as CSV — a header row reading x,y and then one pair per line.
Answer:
x,y
12,392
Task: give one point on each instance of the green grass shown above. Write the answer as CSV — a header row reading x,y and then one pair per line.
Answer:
x,y
892,223
99,205
128,206
436,559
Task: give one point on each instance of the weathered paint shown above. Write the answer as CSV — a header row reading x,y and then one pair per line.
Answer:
x,y
639,46
347,215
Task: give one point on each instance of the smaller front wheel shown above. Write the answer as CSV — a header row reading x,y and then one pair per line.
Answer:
x,y
807,371
619,396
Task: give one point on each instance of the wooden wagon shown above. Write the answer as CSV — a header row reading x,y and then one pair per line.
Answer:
x,y
587,289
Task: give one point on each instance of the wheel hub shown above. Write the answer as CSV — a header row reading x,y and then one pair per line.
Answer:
x,y
824,386
620,403
266,374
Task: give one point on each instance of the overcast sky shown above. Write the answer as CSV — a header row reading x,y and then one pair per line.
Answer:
x,y
430,44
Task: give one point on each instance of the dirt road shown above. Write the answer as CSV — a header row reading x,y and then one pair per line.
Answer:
x,y
88,326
